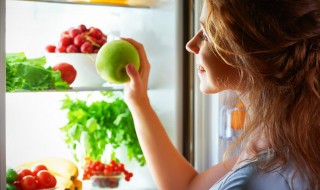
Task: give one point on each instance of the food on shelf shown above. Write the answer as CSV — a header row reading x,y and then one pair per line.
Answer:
x,y
84,64
65,172
79,40
68,72
30,179
23,73
11,175
57,166
238,117
77,184
112,59
105,175
94,124
67,184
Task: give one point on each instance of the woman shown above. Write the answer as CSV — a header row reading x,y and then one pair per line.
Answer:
x,y
268,51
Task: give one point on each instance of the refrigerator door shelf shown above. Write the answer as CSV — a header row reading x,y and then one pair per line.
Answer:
x,y
232,120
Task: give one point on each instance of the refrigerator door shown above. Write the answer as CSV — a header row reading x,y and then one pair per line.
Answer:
x,y
2,97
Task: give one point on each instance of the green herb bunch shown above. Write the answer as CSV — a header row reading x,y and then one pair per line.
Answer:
x,y
106,122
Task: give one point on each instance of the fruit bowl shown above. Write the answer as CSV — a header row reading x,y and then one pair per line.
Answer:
x,y
105,182
84,64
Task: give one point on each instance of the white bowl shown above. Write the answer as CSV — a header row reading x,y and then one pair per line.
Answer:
x,y
87,75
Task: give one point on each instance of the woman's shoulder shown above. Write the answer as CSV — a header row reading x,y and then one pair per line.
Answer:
x,y
248,176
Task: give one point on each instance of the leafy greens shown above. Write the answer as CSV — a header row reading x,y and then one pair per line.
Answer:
x,y
31,74
106,122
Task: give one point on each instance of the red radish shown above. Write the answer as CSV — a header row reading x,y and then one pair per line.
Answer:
x,y
79,40
86,47
82,27
96,33
51,48
65,41
61,49
72,49
68,72
73,32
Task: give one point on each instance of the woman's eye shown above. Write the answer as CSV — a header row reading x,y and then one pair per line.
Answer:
x,y
203,36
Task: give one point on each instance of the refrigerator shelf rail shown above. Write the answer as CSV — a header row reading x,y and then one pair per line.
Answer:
x,y
124,3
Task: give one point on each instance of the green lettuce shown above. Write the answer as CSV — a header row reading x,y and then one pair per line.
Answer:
x,y
31,74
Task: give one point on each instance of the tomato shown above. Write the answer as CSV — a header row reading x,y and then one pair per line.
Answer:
x,y
24,172
68,72
38,168
39,185
17,184
28,182
46,179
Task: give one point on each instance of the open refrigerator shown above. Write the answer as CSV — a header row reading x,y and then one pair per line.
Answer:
x,y
198,125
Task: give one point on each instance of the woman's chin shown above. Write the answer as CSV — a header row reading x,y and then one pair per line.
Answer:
x,y
206,89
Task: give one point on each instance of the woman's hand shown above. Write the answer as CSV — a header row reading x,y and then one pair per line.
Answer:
x,y
135,91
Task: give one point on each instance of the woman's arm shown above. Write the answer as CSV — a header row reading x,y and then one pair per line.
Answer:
x,y
169,169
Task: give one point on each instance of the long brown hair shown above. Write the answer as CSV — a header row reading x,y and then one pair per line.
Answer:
x,y
275,45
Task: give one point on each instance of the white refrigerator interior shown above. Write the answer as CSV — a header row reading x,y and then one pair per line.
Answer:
x,y
33,119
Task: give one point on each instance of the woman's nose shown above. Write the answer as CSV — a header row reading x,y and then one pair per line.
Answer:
x,y
192,46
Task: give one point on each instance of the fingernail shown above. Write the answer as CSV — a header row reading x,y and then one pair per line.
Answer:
x,y
129,67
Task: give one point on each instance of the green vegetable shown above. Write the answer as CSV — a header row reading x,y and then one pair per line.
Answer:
x,y
30,74
11,187
11,175
106,122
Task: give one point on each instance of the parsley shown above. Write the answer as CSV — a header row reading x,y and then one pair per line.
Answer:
x,y
93,126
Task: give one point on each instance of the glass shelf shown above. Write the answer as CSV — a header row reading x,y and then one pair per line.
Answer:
x,y
117,3
77,89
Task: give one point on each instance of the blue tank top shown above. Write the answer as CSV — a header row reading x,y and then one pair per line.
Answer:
x,y
248,176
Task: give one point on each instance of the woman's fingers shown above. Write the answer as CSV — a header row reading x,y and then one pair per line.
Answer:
x,y
136,89
144,63
142,53
132,73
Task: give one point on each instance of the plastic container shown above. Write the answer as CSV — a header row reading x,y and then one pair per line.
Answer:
x,y
105,182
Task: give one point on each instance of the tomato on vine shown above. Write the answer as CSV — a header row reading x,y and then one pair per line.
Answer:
x,y
28,182
38,168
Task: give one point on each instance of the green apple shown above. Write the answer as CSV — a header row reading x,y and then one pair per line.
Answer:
x,y
112,59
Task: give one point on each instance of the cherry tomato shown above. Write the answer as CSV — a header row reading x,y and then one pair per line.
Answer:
x,y
24,172
28,182
38,168
68,72
46,179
